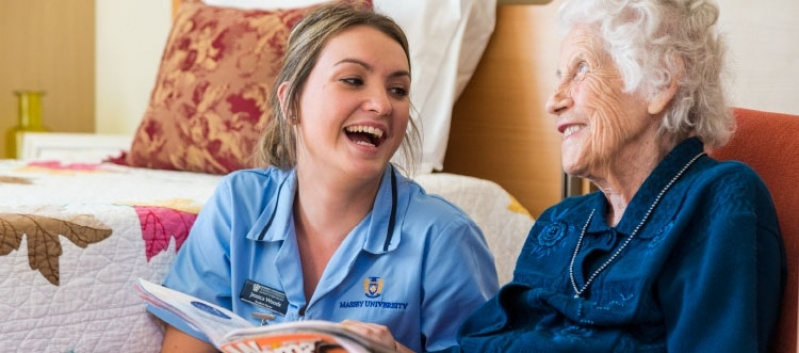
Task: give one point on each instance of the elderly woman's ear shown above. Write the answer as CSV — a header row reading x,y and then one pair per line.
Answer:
x,y
662,96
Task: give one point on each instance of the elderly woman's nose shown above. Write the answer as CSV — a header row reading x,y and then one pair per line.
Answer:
x,y
559,101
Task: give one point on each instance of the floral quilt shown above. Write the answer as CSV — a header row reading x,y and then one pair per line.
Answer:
x,y
74,238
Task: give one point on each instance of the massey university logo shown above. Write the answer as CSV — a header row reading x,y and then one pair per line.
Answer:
x,y
372,287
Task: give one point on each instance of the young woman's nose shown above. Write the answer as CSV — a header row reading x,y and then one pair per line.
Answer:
x,y
378,101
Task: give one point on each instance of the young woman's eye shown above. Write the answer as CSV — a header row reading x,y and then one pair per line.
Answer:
x,y
399,91
352,81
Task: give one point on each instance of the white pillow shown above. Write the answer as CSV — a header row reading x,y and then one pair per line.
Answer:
x,y
447,39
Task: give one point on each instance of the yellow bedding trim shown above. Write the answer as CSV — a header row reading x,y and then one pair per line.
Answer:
x,y
516,206
184,205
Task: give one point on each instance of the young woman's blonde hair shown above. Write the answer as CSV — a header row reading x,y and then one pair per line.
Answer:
x,y
278,142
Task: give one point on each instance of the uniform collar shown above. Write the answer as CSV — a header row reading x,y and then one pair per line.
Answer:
x,y
385,218
276,220
379,232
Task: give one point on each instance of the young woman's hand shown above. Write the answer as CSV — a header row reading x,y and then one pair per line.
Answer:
x,y
378,333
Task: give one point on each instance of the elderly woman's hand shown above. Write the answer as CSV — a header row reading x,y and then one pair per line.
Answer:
x,y
379,333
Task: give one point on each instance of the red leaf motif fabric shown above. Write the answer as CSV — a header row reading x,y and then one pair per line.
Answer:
x,y
59,166
159,224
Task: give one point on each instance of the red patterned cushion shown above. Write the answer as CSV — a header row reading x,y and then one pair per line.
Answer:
x,y
209,102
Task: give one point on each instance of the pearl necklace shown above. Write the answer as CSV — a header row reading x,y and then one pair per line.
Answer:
x,y
579,291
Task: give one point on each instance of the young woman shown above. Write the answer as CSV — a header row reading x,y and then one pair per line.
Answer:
x,y
332,230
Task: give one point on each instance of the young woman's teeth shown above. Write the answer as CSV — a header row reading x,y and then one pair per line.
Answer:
x,y
365,135
376,132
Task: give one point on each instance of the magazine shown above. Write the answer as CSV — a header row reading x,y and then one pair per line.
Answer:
x,y
231,333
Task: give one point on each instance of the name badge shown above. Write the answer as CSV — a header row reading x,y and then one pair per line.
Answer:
x,y
265,297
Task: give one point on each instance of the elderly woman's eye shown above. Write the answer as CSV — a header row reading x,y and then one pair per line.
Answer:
x,y
581,71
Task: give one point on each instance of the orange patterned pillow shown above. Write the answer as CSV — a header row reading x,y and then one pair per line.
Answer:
x,y
209,103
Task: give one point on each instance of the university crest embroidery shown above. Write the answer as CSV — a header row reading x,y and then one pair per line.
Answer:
x,y
372,287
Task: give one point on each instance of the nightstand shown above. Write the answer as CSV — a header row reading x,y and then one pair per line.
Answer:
x,y
72,147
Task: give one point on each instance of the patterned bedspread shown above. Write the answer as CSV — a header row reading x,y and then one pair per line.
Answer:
x,y
74,238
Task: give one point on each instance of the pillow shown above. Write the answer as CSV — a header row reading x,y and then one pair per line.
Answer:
x,y
209,103
447,39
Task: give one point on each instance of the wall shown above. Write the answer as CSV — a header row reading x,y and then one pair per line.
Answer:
x,y
131,35
48,45
763,39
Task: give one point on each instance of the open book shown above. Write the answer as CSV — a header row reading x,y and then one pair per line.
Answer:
x,y
233,334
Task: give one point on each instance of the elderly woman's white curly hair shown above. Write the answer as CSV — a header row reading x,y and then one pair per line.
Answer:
x,y
652,41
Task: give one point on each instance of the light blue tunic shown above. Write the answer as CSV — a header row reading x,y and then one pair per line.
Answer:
x,y
421,274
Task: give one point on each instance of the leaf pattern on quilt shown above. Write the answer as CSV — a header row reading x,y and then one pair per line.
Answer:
x,y
44,245
159,224
5,179
56,167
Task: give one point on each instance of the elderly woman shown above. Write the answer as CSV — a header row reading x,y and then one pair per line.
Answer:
x,y
676,251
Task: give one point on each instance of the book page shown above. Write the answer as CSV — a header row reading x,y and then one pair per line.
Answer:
x,y
233,334
310,336
214,321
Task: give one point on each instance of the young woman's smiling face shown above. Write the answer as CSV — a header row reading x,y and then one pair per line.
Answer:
x,y
354,106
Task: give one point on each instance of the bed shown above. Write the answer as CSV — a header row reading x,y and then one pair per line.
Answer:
x,y
75,236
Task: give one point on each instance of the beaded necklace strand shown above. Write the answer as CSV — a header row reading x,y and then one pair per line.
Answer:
x,y
579,291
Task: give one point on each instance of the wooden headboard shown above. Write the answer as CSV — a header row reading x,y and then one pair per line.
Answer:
x,y
500,129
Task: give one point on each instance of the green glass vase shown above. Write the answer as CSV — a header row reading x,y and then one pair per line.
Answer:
x,y
29,119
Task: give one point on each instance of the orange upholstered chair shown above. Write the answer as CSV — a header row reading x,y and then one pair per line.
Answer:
x,y
769,143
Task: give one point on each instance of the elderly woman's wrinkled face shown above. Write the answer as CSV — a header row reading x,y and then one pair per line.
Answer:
x,y
598,120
